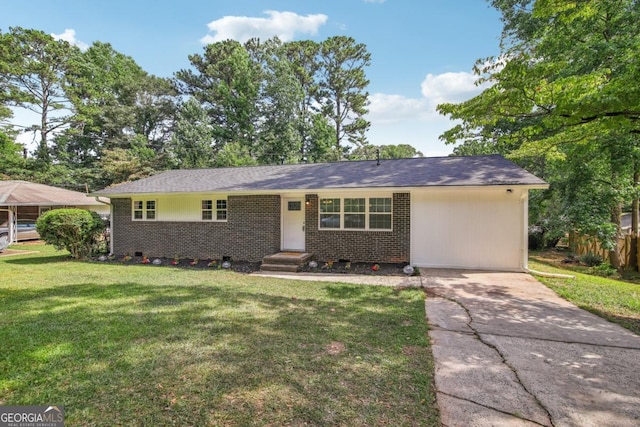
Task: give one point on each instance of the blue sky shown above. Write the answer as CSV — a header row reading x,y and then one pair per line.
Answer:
x,y
422,50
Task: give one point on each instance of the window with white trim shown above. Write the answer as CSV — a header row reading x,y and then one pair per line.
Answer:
x,y
221,209
207,210
380,213
144,210
356,213
214,210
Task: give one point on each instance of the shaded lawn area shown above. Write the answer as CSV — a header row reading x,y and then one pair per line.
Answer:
x,y
148,345
615,300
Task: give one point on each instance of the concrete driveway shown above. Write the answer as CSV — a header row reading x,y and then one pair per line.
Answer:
x,y
509,352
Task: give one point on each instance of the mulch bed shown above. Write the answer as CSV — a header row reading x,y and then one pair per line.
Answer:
x,y
382,269
378,269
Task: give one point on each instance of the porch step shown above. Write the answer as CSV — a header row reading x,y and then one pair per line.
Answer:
x,y
285,261
279,267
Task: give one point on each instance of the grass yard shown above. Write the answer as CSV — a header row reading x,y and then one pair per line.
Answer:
x,y
147,345
615,300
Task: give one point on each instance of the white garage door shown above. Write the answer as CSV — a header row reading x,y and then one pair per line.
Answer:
x,y
469,228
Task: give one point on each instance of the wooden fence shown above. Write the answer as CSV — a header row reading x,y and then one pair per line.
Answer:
x,y
582,245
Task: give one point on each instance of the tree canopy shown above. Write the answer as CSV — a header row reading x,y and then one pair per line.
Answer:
x,y
564,101
104,119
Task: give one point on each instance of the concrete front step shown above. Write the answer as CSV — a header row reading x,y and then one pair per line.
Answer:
x,y
297,258
285,261
291,268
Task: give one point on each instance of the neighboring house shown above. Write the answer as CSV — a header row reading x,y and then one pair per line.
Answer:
x,y
448,212
22,202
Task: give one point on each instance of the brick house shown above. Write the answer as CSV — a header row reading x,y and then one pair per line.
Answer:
x,y
448,212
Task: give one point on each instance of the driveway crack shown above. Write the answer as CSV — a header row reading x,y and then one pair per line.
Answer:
x,y
490,407
478,336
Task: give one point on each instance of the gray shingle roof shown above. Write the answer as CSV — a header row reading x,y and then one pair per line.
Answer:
x,y
416,172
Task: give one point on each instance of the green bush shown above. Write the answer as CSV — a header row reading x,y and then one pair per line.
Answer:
x,y
591,260
76,230
605,270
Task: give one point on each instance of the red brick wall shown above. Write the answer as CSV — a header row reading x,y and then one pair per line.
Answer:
x,y
361,246
251,232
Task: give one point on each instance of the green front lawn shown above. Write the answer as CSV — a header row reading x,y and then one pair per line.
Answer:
x,y
615,300
148,345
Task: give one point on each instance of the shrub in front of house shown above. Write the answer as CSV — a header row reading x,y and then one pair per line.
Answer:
x,y
76,230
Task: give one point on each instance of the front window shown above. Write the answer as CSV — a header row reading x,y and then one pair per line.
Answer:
x,y
214,210
329,213
151,209
144,210
356,213
207,210
380,213
221,210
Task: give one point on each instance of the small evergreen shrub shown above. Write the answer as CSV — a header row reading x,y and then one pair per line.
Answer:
x,y
76,230
591,260
605,269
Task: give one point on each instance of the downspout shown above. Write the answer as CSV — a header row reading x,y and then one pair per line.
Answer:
x,y
543,274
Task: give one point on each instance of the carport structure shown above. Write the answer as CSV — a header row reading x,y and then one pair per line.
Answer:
x,y
28,200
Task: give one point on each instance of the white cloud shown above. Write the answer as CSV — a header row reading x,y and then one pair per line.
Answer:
x,y
387,109
397,119
69,35
435,89
450,87
285,25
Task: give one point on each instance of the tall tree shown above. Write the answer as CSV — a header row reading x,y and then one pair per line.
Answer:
x,y
281,129
303,59
226,81
566,78
191,145
11,159
371,152
342,90
154,111
33,65
118,105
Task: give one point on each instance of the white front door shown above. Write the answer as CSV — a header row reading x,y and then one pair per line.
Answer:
x,y
293,224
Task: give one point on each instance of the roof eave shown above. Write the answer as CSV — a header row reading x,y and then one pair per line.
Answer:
x,y
541,186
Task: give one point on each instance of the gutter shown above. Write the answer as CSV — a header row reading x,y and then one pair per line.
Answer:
x,y
102,201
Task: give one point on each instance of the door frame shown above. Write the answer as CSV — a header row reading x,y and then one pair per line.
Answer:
x,y
285,223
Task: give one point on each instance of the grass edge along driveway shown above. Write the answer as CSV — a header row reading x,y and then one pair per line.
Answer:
x,y
614,300
148,345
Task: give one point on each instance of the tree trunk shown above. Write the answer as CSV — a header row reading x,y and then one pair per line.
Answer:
x,y
614,257
635,205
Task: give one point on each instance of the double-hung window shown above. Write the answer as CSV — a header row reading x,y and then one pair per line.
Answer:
x,y
380,213
144,210
221,210
214,210
356,213
330,213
